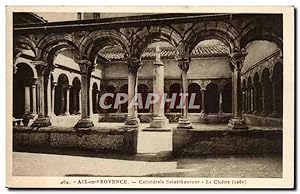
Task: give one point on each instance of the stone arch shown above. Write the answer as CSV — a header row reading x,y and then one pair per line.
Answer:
x,y
50,46
227,98
256,30
267,92
22,91
60,107
96,40
75,96
152,34
57,72
23,42
21,61
195,88
212,98
220,30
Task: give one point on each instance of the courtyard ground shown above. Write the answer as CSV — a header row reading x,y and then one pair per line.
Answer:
x,y
247,166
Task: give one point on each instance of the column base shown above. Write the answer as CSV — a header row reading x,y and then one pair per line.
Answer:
x,y
184,123
84,123
159,122
41,122
132,122
237,123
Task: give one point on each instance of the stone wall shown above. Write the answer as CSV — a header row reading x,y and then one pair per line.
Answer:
x,y
226,142
105,140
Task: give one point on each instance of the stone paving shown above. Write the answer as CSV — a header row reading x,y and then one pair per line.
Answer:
x,y
36,164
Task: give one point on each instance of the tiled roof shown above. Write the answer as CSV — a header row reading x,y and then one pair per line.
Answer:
x,y
114,53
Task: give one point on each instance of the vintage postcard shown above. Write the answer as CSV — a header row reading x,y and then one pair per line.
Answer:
x,y
150,97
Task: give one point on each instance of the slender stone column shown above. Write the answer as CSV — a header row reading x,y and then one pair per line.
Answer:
x,y
237,61
184,120
27,100
221,101
158,120
86,68
53,98
133,66
203,100
42,120
33,90
79,101
48,113
275,112
91,99
67,100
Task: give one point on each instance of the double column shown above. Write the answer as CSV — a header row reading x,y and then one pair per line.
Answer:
x,y
134,65
43,70
86,68
237,61
184,120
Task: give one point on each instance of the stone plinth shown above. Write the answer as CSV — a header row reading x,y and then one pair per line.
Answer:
x,y
237,123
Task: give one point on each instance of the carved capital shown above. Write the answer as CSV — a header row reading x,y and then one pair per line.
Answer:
x,y
41,67
237,59
134,64
86,66
183,59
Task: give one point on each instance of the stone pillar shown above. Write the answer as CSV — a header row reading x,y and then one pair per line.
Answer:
x,y
159,119
184,120
203,100
67,88
33,90
133,67
91,98
53,98
42,70
79,101
275,112
27,100
237,61
86,68
221,101
48,112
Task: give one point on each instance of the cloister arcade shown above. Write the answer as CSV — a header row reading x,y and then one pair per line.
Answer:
x,y
48,88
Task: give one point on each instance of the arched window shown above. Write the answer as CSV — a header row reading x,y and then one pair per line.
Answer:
x,y
95,98
61,95
195,90
278,86
74,96
22,91
257,94
212,98
249,95
227,98
267,92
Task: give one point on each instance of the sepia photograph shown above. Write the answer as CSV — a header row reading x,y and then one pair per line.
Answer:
x,y
131,97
